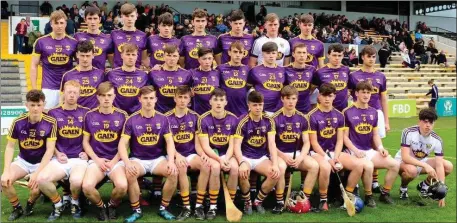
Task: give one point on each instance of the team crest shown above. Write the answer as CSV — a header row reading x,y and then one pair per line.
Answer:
x,y
335,120
371,117
246,42
264,128
235,73
213,78
428,146
138,79
42,133
313,47
307,74
80,119
157,125
67,47
116,123
281,45
344,74
280,75
102,41
378,81
227,127
137,38
208,43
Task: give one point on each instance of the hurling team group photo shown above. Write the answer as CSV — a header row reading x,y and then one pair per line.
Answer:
x,y
214,127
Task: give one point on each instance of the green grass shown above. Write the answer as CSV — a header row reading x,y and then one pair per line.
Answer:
x,y
402,211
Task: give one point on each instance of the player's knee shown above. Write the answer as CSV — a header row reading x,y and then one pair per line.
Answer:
x,y
325,167
448,167
76,181
182,171
173,179
409,173
43,178
368,166
122,186
282,168
233,171
313,167
215,169
88,187
394,165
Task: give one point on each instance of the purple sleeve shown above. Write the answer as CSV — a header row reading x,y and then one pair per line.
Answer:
x,y
202,126
86,129
305,124
110,47
167,126
384,85
251,79
235,123
375,122
351,84
341,121
346,118
127,130
217,48
13,132
313,125
37,47
148,41
321,52
181,47
316,80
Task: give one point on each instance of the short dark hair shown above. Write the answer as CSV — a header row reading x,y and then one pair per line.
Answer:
x,y
363,85
368,50
299,45
203,51
35,96
90,10
146,90
85,46
269,47
430,82
307,19
218,92
182,90
288,90
199,13
255,97
237,45
428,114
237,15
327,89
338,48
165,19
170,48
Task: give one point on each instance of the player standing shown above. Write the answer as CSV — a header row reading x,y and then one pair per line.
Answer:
x,y
147,133
291,126
129,34
283,47
55,53
167,78
103,44
191,44
326,128
335,73
268,78
204,80
233,79
127,80
254,140
417,143
216,130
70,160
157,43
299,75
237,22
315,47
36,134
102,131
87,75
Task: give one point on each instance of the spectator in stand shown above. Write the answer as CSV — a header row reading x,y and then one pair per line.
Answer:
x,y
404,26
108,25
140,7
46,8
432,51
104,8
408,40
384,54
95,4
116,9
81,11
354,59
411,61
346,61
74,11
441,59
418,35
364,23
33,36
419,48
21,31
70,29
357,39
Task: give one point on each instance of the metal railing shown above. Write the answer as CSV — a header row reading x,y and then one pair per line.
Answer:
x,y
24,10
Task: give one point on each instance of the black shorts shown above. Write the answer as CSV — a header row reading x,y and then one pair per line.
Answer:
x,y
432,103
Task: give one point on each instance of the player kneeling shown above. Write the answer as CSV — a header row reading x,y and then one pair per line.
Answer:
x,y
36,134
183,122
70,161
102,131
216,129
254,140
147,133
291,125
417,143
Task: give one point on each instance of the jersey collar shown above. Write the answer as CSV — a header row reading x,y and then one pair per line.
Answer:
x,y
141,113
111,110
309,37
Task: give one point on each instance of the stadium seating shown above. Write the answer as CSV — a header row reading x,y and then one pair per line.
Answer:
x,y
13,84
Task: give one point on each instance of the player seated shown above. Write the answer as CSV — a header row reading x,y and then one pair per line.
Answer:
x,y
326,127
183,122
216,129
254,140
147,134
70,161
35,133
102,131
293,144
417,143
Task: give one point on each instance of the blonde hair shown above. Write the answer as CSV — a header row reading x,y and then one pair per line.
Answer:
x,y
104,87
271,17
127,9
57,15
72,83
129,47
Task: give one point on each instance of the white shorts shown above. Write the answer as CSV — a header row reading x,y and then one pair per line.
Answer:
x,y
148,165
419,168
381,124
369,154
72,162
26,166
188,158
52,98
297,154
332,154
108,172
254,162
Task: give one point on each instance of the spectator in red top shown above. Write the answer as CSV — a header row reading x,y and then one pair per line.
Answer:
x,y
21,31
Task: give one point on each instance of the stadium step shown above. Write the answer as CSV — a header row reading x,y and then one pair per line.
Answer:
x,y
10,89
13,83
7,98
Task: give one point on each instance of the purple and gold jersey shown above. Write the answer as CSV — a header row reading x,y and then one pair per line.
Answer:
x,y
89,81
225,40
314,47
289,130
268,81
103,45
70,125
219,131
56,57
203,83
121,37
325,125
184,131
32,137
190,45
233,80
166,82
254,135
301,79
155,46
127,87
361,124
147,135
378,81
104,131
339,78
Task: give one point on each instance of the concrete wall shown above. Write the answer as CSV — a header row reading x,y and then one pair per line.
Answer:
x,y
435,21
